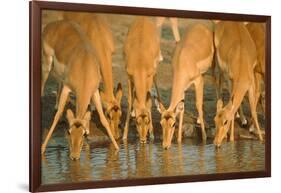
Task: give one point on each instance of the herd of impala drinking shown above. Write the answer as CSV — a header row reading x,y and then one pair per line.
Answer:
x,y
78,50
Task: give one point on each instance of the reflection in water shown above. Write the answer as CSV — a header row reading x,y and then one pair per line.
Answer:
x,y
112,164
134,160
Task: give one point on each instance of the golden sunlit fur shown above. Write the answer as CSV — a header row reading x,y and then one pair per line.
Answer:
x,y
74,61
192,58
237,58
142,54
257,31
100,37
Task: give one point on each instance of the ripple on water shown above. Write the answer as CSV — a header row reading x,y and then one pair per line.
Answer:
x,y
100,162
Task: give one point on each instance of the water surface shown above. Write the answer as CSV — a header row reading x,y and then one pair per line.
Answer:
x,y
100,162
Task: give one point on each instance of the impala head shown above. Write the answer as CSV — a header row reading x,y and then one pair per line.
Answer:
x,y
78,129
168,121
113,111
222,121
143,120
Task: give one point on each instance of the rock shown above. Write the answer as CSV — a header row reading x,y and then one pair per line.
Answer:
x,y
188,130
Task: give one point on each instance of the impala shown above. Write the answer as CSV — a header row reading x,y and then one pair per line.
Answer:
x,y
142,54
237,58
100,36
67,52
192,58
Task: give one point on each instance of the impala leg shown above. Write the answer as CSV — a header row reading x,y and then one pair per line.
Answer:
x,y
174,23
217,76
129,109
159,22
62,101
58,95
232,131
258,79
199,84
180,125
252,101
156,87
240,110
97,100
262,98
242,116
46,68
257,95
151,135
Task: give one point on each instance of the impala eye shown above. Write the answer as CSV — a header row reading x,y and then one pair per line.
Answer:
x,y
174,125
225,122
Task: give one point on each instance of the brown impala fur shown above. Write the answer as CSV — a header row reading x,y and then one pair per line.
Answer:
x,y
67,53
142,51
100,36
193,57
237,57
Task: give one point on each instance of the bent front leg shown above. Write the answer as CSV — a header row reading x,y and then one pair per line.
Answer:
x,y
62,101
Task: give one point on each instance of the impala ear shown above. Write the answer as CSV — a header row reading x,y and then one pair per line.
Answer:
x,y
119,93
70,116
179,107
159,105
219,105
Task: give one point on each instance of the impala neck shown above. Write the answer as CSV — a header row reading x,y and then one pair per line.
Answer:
x,y
140,88
177,92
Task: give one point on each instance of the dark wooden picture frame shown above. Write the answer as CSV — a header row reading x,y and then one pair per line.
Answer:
x,y
36,7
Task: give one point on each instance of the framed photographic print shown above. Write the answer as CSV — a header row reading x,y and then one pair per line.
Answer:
x,y
123,96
